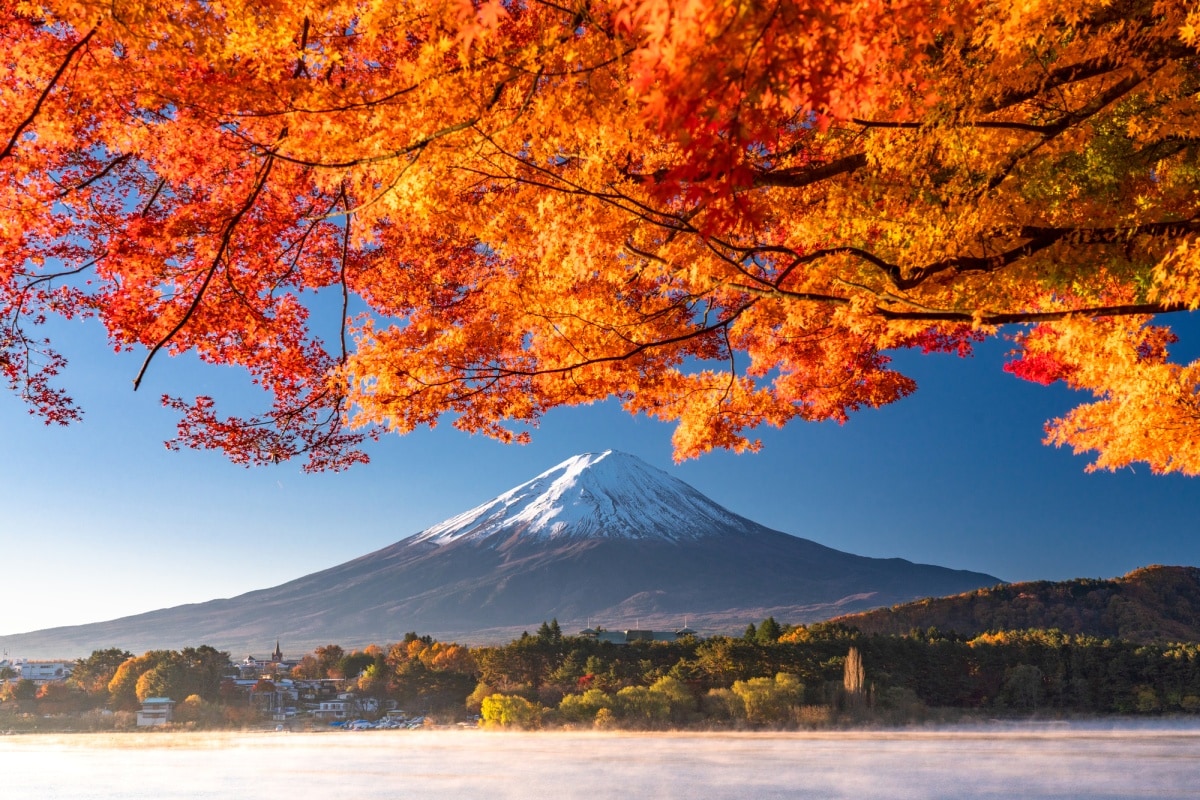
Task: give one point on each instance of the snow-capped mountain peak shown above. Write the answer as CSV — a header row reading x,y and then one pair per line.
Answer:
x,y
609,495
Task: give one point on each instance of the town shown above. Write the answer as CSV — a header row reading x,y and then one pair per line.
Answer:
x,y
328,686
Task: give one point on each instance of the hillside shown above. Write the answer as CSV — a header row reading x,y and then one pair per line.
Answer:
x,y
1153,604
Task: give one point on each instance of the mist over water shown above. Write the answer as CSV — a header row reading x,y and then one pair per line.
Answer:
x,y
1012,762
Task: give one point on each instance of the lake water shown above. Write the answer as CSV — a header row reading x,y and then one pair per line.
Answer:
x,y
1008,762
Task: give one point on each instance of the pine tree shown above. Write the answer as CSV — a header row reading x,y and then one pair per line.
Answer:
x,y
769,631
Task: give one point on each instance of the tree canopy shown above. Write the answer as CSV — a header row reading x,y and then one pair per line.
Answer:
x,y
723,214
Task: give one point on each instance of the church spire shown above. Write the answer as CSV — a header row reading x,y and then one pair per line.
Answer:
x,y
277,656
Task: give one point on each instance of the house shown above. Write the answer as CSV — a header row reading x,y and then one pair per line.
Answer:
x,y
347,704
332,709
155,711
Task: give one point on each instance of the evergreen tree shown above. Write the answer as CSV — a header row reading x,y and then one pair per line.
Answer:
x,y
769,631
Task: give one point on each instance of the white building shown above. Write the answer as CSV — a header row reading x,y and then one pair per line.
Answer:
x,y
155,711
44,671
332,709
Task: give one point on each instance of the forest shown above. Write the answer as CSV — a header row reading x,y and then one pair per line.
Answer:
x,y
772,677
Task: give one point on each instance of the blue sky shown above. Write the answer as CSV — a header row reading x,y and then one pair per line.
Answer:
x,y
101,521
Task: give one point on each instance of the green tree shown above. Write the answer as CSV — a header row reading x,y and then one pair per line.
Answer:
x,y
204,667
639,707
23,690
93,674
769,631
723,705
768,700
176,674
681,703
550,632
353,665
416,685
474,701
582,708
374,682
511,711
1022,687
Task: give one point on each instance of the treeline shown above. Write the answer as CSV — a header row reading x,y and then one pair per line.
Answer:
x,y
773,676
810,675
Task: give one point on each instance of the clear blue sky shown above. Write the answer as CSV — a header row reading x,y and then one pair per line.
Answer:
x,y
101,521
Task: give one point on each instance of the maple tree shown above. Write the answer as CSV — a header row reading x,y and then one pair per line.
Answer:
x,y
724,214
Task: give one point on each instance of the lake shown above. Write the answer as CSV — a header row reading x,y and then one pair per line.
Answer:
x,y
1004,761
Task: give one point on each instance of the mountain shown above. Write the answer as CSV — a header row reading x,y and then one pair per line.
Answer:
x,y
602,538
1153,604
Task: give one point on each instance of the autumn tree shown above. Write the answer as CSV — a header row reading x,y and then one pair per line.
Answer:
x,y
329,661
168,673
722,214
58,697
122,689
92,674
853,674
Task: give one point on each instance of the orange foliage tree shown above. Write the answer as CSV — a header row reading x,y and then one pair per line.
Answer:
x,y
723,214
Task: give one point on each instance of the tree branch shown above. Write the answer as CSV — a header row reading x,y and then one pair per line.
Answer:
x,y
811,175
37,107
226,237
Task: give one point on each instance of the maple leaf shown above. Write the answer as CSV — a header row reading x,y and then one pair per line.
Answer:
x,y
724,215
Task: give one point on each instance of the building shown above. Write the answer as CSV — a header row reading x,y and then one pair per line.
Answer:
x,y
636,635
275,664
332,709
155,711
43,671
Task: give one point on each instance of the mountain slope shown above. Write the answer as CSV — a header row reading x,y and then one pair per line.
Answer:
x,y
1153,604
603,537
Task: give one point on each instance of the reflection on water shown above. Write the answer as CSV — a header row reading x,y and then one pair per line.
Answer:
x,y
1005,762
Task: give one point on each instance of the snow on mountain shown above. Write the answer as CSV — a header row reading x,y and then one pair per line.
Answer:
x,y
609,495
